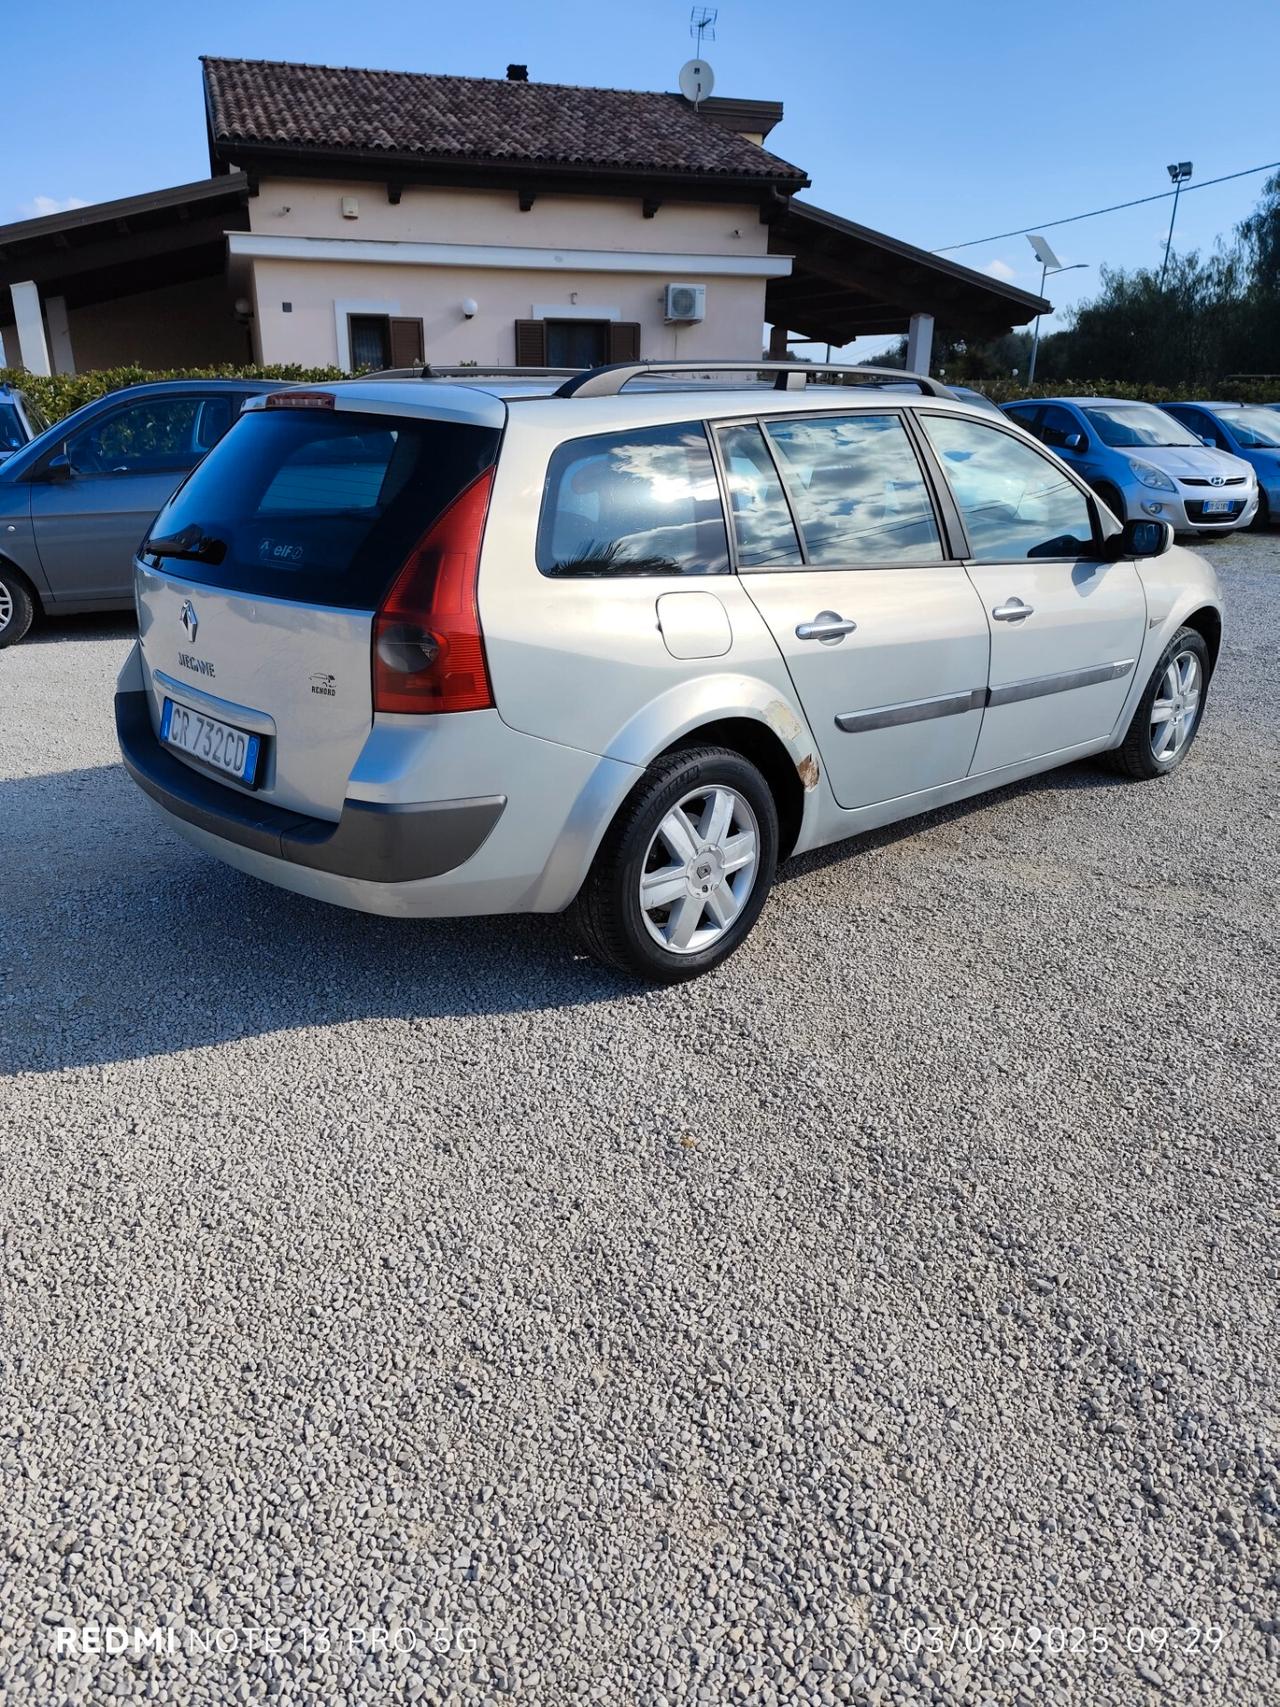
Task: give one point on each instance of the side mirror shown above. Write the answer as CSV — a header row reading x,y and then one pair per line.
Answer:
x,y
58,469
1206,440
1074,441
1141,538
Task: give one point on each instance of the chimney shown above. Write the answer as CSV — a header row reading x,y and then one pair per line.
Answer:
x,y
517,74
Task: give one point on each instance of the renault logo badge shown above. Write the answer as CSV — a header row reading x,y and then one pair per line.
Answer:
x,y
189,620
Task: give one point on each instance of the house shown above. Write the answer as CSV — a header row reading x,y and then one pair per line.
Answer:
x,y
381,218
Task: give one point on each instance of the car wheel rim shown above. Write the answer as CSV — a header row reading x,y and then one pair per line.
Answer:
x,y
6,606
1176,707
699,870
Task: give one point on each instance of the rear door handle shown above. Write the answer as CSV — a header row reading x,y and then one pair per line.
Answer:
x,y
1013,610
828,626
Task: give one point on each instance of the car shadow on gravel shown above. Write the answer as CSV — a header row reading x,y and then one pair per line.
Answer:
x,y
94,625
1087,774
118,939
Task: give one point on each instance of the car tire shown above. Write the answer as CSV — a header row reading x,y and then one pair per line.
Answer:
x,y
17,606
1262,520
701,821
1151,748
1110,496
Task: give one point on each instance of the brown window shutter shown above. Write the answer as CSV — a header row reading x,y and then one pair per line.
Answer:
x,y
406,343
624,340
531,343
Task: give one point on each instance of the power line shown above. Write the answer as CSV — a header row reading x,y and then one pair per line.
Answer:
x,y
1048,224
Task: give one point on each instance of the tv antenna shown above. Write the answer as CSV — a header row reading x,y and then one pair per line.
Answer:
x,y
697,79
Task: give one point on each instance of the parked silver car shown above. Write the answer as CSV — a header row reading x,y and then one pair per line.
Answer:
x,y
1250,431
433,648
76,501
20,420
1141,462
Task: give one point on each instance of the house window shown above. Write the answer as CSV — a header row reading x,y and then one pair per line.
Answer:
x,y
577,343
384,340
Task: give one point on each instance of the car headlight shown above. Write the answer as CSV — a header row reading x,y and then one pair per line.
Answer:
x,y
1152,476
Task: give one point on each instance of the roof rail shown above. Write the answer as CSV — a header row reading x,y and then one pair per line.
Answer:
x,y
788,376
481,370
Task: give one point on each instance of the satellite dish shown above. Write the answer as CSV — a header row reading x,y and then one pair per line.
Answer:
x,y
697,80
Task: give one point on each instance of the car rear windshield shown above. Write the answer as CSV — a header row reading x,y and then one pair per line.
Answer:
x,y
321,507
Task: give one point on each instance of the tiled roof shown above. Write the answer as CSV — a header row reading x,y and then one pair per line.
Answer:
x,y
262,102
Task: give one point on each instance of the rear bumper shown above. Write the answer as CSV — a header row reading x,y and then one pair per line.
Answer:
x,y
372,841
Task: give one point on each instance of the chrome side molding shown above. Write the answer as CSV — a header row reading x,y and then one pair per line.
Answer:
x,y
977,699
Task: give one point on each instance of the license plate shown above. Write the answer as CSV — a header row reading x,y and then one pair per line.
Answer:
x,y
1217,506
219,745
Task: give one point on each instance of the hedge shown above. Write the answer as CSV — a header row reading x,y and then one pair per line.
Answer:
x,y
60,394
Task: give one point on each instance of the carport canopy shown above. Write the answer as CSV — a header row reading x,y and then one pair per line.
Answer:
x,y
848,281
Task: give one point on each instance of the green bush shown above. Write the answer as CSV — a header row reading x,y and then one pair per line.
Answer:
x,y
58,394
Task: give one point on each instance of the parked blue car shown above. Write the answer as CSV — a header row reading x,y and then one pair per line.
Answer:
x,y
1247,430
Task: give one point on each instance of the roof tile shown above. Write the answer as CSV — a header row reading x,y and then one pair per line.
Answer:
x,y
265,102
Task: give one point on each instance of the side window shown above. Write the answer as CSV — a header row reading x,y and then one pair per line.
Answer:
x,y
1057,425
858,490
1028,419
762,525
1205,427
214,419
151,437
640,503
1014,502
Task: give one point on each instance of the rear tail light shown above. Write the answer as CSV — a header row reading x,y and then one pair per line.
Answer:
x,y
428,650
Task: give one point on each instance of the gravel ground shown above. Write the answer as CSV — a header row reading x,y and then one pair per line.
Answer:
x,y
415,1312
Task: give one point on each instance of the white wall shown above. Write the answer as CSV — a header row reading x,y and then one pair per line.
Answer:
x,y
307,332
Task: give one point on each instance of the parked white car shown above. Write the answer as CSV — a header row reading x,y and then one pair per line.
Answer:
x,y
423,647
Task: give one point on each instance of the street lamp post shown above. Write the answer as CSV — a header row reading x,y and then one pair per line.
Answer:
x,y
1179,172
1049,263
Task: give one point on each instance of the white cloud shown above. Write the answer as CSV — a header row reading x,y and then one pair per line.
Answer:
x,y
1000,270
39,206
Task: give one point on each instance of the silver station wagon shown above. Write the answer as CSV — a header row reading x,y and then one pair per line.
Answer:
x,y
617,642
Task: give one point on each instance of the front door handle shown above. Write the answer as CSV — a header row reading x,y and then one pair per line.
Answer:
x,y
1013,610
828,626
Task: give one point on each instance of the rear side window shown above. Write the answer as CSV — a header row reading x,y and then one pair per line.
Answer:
x,y
12,436
636,503
322,508
762,524
858,490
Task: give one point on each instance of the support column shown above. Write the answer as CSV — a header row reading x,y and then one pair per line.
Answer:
x,y
919,343
55,313
33,352
778,343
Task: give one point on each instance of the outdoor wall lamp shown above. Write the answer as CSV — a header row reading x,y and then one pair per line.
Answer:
x,y
470,308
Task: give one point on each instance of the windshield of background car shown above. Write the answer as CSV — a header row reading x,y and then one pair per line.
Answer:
x,y
11,433
1255,429
319,507
1126,425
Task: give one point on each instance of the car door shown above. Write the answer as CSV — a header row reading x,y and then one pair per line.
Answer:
x,y
839,546
121,468
1066,625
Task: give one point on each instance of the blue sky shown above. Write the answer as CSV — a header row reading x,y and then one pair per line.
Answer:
x,y
932,120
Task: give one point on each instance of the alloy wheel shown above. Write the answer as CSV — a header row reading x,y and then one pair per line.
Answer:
x,y
1176,707
6,606
700,869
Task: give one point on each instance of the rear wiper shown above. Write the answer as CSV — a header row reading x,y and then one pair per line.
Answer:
x,y
191,544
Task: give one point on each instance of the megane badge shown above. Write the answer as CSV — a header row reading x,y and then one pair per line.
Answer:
x,y
189,620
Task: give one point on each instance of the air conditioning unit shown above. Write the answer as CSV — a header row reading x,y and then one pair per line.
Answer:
x,y
685,302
